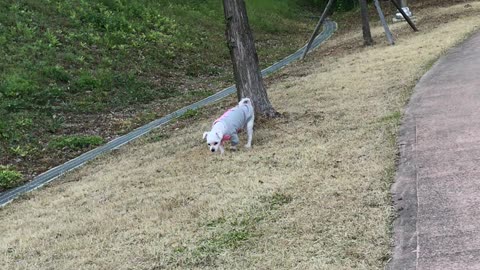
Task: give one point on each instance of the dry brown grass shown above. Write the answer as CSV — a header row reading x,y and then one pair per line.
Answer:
x,y
312,194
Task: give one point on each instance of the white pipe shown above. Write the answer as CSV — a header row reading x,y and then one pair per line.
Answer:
x,y
403,5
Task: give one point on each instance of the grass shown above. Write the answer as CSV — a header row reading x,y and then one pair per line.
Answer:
x,y
313,193
226,233
75,142
189,114
94,67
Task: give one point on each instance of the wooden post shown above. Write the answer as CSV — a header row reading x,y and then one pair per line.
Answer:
x,y
367,36
248,77
315,32
404,15
384,23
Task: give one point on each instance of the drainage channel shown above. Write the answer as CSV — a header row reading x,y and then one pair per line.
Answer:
x,y
50,175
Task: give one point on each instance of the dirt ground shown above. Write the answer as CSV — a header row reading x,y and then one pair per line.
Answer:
x,y
313,193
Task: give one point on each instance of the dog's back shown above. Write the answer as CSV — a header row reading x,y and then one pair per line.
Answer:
x,y
236,118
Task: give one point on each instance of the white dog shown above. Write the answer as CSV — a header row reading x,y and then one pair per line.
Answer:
x,y
229,124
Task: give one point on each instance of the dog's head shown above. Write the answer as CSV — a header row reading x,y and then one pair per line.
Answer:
x,y
214,140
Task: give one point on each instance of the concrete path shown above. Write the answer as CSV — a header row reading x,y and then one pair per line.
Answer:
x,y
437,188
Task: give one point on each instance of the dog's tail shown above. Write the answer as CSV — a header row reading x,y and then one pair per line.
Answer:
x,y
245,101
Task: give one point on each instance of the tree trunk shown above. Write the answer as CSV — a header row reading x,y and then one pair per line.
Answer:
x,y
402,3
367,36
248,77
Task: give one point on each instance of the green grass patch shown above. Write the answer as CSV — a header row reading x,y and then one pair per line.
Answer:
x,y
8,177
227,240
216,222
278,199
75,142
189,114
394,117
229,236
230,233
201,93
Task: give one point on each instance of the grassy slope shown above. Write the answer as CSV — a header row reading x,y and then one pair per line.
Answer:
x,y
100,68
312,194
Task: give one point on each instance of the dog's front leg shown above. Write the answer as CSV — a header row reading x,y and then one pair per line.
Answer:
x,y
221,149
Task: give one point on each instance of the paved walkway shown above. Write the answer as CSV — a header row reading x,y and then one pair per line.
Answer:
x,y
437,189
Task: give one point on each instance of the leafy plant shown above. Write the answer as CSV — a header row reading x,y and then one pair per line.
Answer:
x,y
57,73
20,151
9,177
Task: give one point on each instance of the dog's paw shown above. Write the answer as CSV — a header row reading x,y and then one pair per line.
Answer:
x,y
248,146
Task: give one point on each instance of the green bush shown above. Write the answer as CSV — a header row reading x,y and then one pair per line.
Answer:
x,y
15,85
120,24
85,82
9,178
339,5
75,142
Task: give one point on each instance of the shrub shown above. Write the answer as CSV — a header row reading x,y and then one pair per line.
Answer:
x,y
16,85
57,73
9,178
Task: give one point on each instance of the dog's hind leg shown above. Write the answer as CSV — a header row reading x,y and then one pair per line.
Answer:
x,y
249,133
234,140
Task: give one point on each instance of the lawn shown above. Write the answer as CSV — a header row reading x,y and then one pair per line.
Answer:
x,y
77,69
313,193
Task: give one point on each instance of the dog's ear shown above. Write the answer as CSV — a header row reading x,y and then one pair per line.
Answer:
x,y
205,135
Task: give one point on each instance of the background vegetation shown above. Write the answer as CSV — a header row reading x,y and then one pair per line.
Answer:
x,y
339,5
100,68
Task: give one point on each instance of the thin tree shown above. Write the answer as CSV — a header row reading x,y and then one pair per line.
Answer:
x,y
367,36
248,77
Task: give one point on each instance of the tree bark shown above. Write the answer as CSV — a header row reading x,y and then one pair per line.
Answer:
x,y
248,77
367,36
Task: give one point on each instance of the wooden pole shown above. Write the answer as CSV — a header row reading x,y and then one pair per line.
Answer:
x,y
384,23
404,15
315,32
